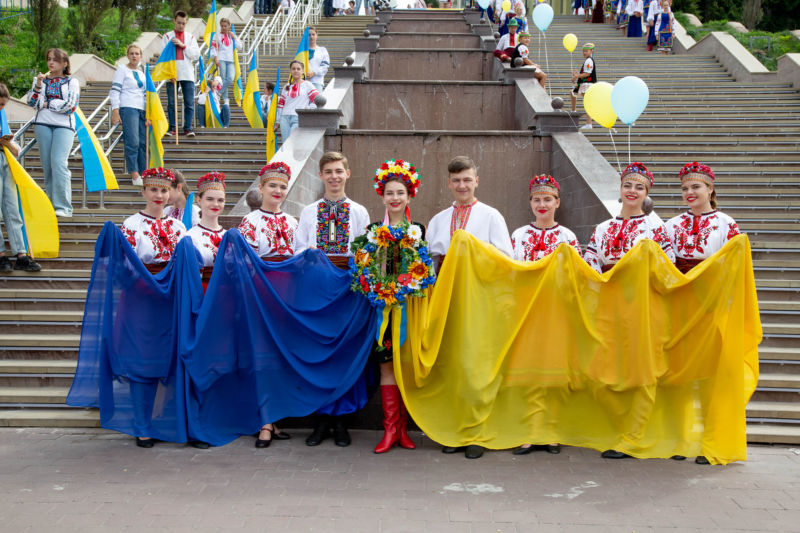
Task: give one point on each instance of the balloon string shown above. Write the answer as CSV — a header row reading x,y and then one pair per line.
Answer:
x,y
629,144
619,167
549,90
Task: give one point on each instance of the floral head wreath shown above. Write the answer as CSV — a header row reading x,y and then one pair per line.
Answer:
x,y
397,168
158,177
695,171
276,171
544,184
213,180
638,172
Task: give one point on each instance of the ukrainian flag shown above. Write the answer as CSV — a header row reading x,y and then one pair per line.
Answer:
x,y
211,25
212,115
237,77
272,113
158,123
303,52
251,105
97,172
166,68
39,224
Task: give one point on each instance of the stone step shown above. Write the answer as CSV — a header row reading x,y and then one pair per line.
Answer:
x,y
783,410
67,417
36,395
779,381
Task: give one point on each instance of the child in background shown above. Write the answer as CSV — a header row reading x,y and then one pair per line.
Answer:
x,y
584,79
214,91
269,86
222,48
522,51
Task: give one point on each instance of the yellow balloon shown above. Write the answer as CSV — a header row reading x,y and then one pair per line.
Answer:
x,y
570,42
597,103
540,1
506,5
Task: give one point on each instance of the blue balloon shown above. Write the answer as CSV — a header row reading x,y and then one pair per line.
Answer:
x,y
484,3
542,16
629,98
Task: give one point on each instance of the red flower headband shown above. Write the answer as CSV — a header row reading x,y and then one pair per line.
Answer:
x,y
275,171
697,171
638,172
212,180
394,169
158,177
544,184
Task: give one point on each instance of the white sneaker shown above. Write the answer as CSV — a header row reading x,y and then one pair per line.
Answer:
x,y
63,214
586,127
138,181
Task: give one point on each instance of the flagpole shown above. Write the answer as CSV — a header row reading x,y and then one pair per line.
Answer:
x,y
175,86
147,145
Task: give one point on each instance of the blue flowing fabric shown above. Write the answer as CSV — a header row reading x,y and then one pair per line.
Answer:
x,y
275,340
126,361
267,341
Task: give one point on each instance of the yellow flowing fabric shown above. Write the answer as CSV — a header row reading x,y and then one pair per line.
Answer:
x,y
641,359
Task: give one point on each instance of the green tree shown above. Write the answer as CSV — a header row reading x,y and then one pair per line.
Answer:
x,y
780,15
146,14
82,22
46,23
125,8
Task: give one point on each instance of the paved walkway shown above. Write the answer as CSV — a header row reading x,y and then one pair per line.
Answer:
x,y
91,480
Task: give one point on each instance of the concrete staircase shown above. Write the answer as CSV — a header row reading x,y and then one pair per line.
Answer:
x,y
41,313
748,133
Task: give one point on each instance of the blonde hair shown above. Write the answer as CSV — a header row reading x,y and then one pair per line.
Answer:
x,y
179,179
133,46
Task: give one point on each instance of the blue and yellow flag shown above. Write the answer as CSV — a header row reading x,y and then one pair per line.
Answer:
x,y
213,119
303,52
272,113
166,68
39,224
237,77
211,25
188,212
158,123
97,172
251,104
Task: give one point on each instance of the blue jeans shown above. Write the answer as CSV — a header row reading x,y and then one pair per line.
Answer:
x,y
134,135
9,207
288,123
227,71
54,146
327,8
201,115
263,7
187,89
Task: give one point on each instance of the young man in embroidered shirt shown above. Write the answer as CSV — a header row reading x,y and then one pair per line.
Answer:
x,y
467,213
186,53
331,225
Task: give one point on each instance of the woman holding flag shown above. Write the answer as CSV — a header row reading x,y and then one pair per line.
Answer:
x,y
128,106
55,96
298,94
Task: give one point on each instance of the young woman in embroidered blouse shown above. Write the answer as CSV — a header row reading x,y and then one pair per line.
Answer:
x,y
396,189
299,94
128,106
538,240
613,238
701,231
271,234
207,234
178,196
269,231
55,96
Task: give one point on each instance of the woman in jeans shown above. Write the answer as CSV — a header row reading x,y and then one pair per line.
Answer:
x,y
55,96
128,106
298,94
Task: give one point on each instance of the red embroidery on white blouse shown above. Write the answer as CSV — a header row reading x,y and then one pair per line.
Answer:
x,y
620,237
163,237
279,235
733,230
691,235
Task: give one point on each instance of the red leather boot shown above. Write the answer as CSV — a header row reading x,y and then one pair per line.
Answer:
x,y
390,400
405,440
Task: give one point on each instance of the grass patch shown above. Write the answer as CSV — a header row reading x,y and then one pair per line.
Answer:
x,y
766,46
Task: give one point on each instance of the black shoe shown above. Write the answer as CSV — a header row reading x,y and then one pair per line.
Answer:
x,y
200,445
321,432
701,460
555,449
145,443
340,435
453,449
27,264
678,457
522,450
614,454
473,451
264,443
281,436
5,264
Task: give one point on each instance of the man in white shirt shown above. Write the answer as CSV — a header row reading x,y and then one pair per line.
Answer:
x,y
467,213
186,53
330,225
